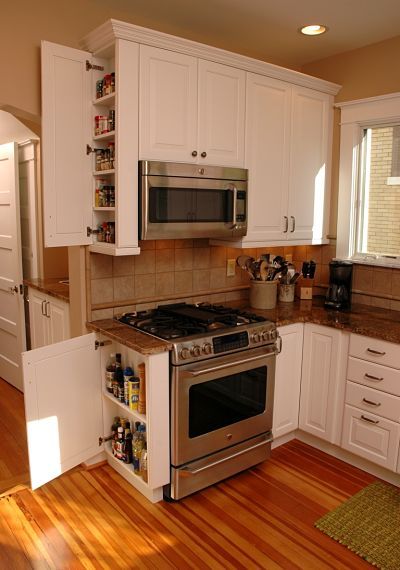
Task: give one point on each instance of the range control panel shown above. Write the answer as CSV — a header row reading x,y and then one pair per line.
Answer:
x,y
206,347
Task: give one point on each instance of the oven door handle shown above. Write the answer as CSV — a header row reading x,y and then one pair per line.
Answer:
x,y
228,365
215,463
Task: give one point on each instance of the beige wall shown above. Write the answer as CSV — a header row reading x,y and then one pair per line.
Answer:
x,y
365,72
25,23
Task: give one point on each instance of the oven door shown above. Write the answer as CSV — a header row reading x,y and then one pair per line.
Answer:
x,y
172,207
221,402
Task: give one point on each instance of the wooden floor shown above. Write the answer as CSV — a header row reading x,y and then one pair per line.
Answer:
x,y
261,518
14,467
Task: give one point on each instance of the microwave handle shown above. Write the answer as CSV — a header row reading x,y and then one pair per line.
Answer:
x,y
233,189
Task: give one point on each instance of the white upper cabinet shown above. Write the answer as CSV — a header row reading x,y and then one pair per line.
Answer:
x,y
66,117
309,164
221,114
71,165
168,105
268,115
190,110
288,146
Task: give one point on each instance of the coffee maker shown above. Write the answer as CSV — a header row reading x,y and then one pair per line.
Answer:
x,y
339,291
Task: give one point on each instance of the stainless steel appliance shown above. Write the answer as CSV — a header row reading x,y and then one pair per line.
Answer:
x,y
222,377
180,200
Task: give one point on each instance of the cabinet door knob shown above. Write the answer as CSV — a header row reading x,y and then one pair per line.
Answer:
x,y
194,152
203,154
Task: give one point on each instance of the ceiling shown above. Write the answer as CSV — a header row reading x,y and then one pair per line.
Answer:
x,y
267,29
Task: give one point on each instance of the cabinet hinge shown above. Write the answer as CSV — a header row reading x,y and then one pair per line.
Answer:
x,y
100,343
90,66
21,289
90,231
104,439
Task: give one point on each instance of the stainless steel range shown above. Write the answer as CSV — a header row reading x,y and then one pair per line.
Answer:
x,y
222,376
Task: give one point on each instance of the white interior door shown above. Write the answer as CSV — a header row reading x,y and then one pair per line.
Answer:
x,y
63,406
12,325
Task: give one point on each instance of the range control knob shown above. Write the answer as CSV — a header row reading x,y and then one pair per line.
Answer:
x,y
195,350
266,335
206,348
255,337
184,353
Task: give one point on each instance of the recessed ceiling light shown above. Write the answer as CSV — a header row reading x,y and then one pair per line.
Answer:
x,y
313,30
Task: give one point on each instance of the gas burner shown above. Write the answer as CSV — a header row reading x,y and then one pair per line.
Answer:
x,y
185,321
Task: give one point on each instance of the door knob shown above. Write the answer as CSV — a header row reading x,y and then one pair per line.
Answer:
x,y
203,154
194,153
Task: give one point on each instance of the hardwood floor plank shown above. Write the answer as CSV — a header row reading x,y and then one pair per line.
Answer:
x,y
261,518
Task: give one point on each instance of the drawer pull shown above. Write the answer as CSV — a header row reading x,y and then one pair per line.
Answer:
x,y
369,420
370,403
376,352
370,377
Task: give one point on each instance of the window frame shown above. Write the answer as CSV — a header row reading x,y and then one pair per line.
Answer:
x,y
355,117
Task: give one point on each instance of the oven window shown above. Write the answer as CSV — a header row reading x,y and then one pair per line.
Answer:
x,y
228,400
172,205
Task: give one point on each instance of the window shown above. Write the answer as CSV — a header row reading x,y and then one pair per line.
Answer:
x,y
378,212
369,181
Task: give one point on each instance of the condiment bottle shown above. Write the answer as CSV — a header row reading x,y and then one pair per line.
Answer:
x,y
110,373
142,389
128,375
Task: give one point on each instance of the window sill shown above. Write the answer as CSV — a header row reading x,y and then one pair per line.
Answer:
x,y
377,261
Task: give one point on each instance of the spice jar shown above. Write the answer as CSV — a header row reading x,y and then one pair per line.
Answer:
x,y
107,84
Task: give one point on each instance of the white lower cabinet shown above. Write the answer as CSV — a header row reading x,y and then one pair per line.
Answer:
x,y
69,413
370,436
323,382
287,380
371,426
49,319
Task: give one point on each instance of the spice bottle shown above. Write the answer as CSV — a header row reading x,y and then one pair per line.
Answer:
x,y
143,464
142,388
128,375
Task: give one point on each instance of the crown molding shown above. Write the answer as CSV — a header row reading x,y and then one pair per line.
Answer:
x,y
102,38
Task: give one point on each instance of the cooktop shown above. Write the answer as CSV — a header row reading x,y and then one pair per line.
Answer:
x,y
203,330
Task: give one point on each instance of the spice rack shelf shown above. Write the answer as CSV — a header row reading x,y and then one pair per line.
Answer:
x,y
106,101
103,172
105,136
104,209
125,409
126,470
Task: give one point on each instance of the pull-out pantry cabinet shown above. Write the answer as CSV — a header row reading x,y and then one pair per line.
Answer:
x,y
69,413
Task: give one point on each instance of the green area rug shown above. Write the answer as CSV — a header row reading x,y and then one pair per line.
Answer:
x,y
368,524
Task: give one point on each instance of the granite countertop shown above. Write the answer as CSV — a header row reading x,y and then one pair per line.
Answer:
x,y
364,320
51,287
126,335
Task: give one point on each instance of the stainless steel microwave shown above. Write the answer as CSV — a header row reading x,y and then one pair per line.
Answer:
x,y
179,201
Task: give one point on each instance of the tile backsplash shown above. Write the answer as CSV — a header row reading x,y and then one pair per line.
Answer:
x,y
181,270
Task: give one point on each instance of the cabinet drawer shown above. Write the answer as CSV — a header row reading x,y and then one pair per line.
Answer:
x,y
376,440
373,401
374,350
374,375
